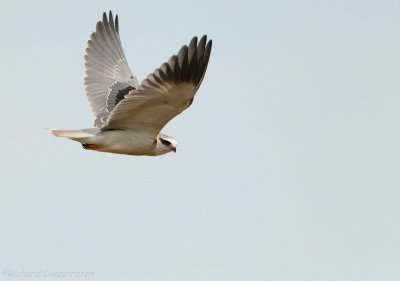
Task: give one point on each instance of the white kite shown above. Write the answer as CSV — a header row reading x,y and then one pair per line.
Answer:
x,y
129,116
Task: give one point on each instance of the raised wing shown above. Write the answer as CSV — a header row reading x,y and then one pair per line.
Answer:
x,y
107,71
165,93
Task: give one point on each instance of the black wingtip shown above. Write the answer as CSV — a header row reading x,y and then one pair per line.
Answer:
x,y
109,20
110,17
105,20
203,40
116,23
193,42
189,65
208,50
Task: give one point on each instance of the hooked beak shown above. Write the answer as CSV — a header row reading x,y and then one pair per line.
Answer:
x,y
173,149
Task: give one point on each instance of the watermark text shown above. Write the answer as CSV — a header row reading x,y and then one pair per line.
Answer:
x,y
46,273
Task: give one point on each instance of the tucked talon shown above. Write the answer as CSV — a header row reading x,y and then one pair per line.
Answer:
x,y
89,146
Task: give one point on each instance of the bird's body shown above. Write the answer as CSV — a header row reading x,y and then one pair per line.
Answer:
x,y
114,141
120,141
129,116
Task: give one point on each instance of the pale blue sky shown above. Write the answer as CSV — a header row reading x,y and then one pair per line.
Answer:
x,y
288,161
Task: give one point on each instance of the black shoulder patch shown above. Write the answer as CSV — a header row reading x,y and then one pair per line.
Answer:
x,y
117,92
122,93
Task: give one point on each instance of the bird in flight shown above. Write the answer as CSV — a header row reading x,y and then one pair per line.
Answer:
x,y
129,116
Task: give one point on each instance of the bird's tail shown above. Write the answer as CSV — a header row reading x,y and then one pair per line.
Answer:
x,y
76,135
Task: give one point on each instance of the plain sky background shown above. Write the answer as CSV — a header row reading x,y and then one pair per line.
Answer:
x,y
288,161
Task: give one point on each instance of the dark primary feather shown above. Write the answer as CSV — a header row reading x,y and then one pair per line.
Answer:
x,y
189,65
166,92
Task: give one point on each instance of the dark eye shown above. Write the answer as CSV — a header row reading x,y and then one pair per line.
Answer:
x,y
165,142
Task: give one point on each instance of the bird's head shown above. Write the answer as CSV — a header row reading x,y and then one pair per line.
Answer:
x,y
165,144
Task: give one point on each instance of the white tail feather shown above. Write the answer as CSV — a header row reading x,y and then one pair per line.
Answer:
x,y
72,134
